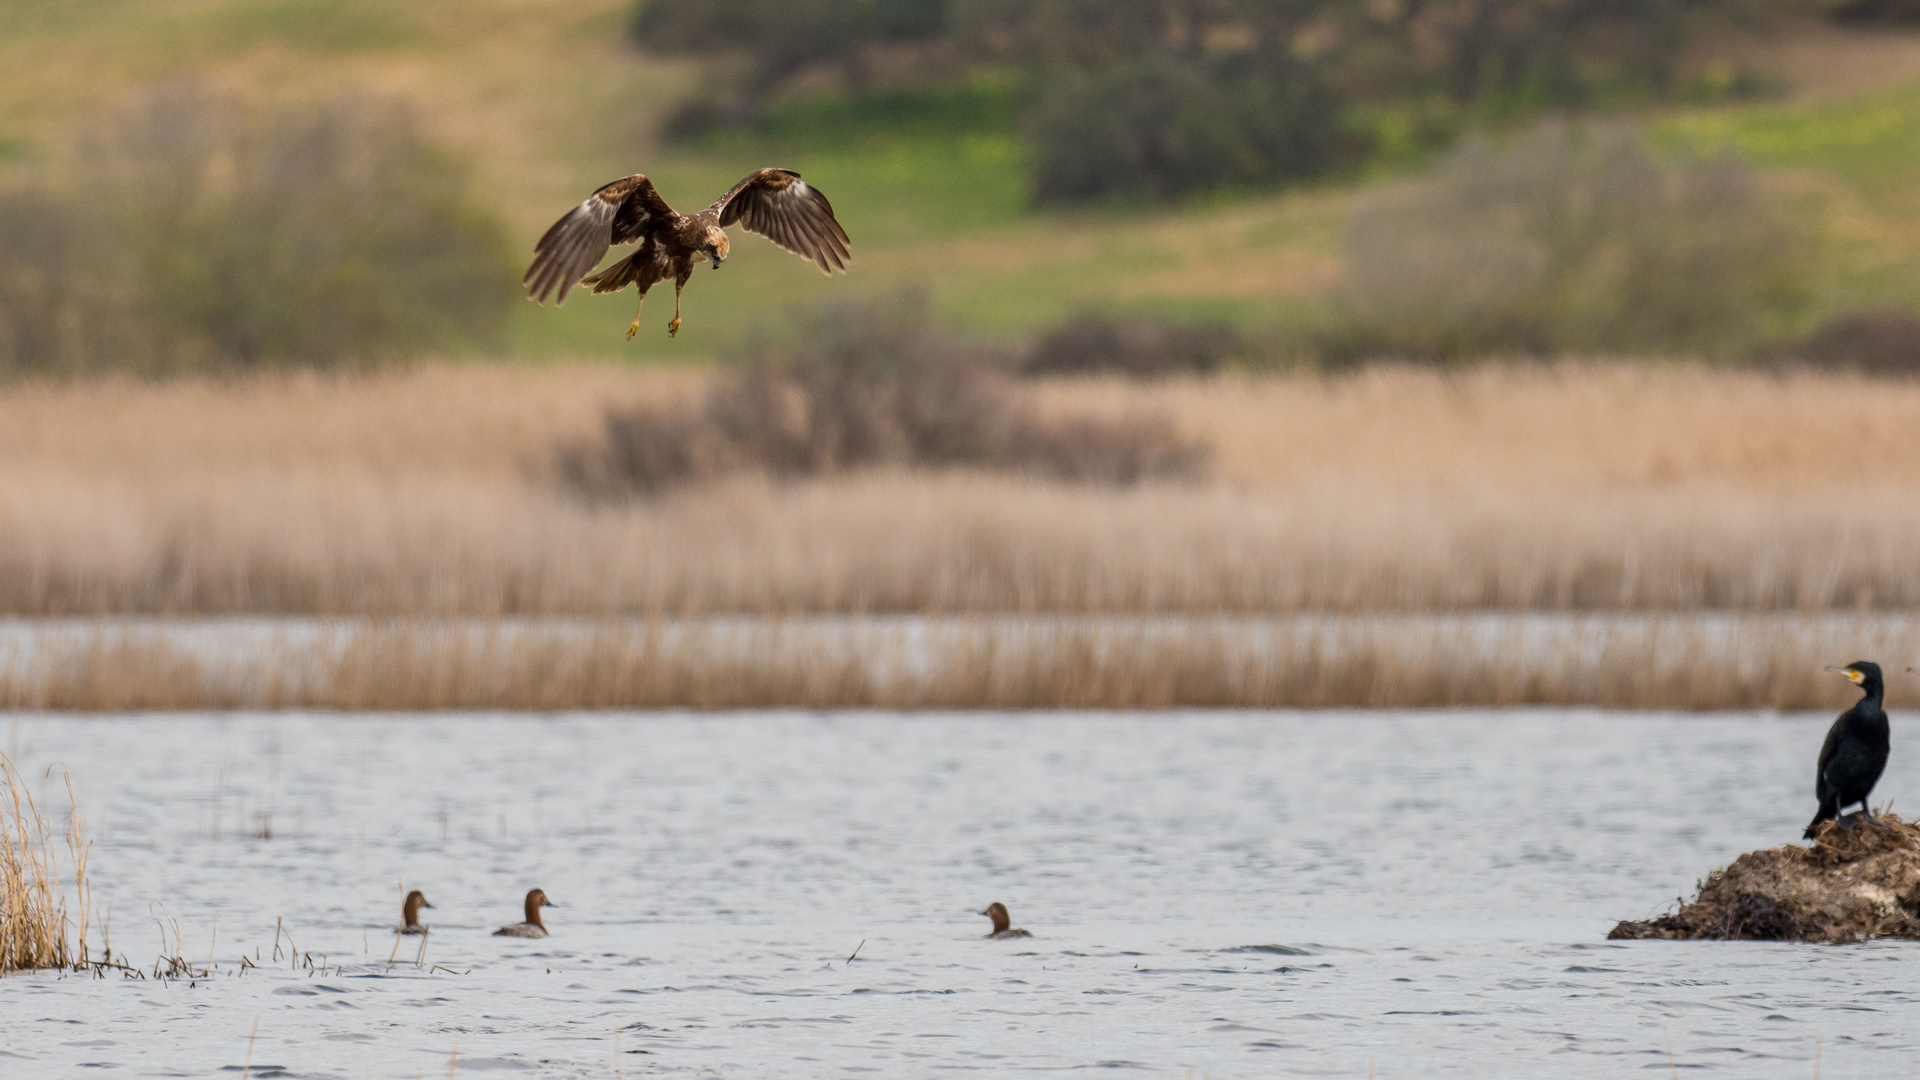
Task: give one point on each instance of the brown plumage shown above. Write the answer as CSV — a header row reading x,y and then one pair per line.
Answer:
x,y
1003,928
410,913
775,203
533,927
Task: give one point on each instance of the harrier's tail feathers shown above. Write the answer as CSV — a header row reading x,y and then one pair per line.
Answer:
x,y
619,275
613,278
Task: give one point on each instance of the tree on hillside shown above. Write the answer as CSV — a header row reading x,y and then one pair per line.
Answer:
x,y
193,231
774,40
1554,51
1162,97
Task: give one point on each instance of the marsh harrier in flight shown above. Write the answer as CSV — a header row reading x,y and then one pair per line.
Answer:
x,y
775,203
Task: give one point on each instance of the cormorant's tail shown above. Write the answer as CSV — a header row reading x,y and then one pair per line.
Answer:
x,y
1828,812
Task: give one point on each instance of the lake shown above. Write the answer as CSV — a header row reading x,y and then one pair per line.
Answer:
x,y
1219,894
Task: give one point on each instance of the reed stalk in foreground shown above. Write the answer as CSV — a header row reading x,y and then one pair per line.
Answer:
x,y
33,899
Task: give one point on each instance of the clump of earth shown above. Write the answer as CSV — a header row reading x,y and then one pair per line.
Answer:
x,y
1860,879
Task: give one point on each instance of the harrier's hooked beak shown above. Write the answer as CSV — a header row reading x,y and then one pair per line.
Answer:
x,y
1854,675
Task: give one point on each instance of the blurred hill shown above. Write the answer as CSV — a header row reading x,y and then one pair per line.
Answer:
x,y
549,99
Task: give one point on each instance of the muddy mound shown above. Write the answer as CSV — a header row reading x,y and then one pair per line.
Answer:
x,y
1859,880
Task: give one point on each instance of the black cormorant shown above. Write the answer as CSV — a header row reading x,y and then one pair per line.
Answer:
x,y
1856,748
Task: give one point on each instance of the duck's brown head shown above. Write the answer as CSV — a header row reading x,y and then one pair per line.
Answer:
x,y
411,908
535,901
997,911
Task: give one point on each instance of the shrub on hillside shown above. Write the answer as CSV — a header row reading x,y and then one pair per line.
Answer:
x,y
192,233
1158,98
1516,53
62,309
1165,127
1571,239
772,41
1896,12
1884,341
868,385
1142,348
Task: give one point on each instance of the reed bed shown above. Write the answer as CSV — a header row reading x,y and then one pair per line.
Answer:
x,y
34,923
434,492
1663,662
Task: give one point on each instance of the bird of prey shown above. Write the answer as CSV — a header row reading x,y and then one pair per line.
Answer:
x,y
775,203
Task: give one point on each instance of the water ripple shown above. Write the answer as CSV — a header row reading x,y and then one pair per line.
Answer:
x,y
1231,894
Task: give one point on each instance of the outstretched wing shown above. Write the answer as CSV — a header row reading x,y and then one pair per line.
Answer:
x,y
780,206
619,213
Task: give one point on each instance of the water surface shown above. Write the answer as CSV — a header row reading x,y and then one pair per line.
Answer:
x,y
1227,894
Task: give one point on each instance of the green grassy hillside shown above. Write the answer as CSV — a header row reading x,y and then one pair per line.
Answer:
x,y
1858,161
549,100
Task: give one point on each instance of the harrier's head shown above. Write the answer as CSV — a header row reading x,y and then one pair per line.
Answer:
x,y
715,249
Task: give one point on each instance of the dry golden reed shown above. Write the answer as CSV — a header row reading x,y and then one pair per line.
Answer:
x,y
432,493
1661,661
34,923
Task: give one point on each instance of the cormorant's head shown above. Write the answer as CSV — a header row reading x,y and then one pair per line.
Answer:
x,y
1860,672
715,249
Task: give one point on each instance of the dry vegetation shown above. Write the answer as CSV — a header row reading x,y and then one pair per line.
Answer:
x,y
1859,880
34,923
1342,514
1669,662
435,493
869,386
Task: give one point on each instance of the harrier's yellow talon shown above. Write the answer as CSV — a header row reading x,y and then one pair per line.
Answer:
x,y
635,328
673,328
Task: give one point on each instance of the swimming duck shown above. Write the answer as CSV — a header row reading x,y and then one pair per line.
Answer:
x,y
410,913
1002,923
533,927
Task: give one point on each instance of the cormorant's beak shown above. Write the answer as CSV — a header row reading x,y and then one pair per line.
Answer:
x,y
1852,674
